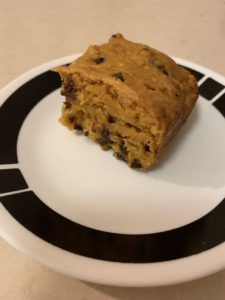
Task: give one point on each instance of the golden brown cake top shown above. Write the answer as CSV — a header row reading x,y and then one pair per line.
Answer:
x,y
151,81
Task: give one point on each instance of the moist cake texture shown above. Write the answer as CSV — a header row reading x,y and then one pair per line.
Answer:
x,y
128,97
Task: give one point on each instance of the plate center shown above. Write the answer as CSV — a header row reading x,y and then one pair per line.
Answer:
x,y
73,176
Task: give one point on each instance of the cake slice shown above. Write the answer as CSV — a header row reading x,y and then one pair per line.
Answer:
x,y
128,97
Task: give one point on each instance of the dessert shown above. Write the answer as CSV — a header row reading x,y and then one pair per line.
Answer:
x,y
128,97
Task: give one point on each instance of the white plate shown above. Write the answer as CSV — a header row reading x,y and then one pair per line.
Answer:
x,y
80,211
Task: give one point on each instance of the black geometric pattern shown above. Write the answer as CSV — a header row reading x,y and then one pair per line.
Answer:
x,y
220,104
11,180
14,111
210,88
184,241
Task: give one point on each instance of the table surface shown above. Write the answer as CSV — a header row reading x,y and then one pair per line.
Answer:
x,y
35,32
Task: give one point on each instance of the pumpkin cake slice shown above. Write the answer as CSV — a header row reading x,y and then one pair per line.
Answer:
x,y
128,97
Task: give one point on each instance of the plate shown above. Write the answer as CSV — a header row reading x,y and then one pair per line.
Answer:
x,y
81,212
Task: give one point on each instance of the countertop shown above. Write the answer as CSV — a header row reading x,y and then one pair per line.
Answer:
x,y
35,32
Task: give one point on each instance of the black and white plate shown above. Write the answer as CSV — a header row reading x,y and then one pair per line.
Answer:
x,y
80,211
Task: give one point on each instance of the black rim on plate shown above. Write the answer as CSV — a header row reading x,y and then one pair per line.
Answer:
x,y
30,211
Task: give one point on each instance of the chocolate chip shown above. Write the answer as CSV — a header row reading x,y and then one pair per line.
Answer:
x,y
111,119
104,140
86,133
105,133
147,148
119,156
119,75
119,135
113,36
135,164
149,87
145,49
157,64
67,104
99,60
165,72
78,127
123,150
69,89
71,119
